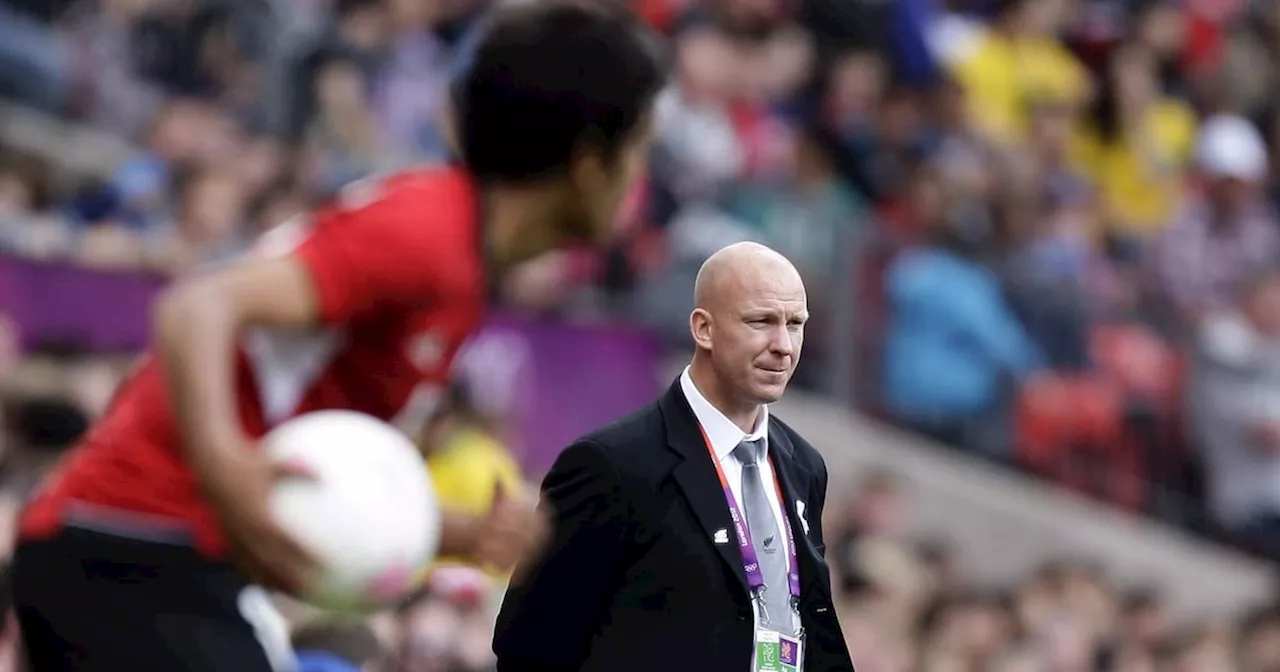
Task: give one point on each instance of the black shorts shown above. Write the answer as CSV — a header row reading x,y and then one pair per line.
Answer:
x,y
95,602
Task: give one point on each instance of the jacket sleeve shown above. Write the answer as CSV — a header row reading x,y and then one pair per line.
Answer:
x,y
548,618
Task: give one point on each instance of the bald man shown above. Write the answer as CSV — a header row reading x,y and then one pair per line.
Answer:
x,y
647,569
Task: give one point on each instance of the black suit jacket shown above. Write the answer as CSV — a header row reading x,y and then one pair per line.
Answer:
x,y
632,578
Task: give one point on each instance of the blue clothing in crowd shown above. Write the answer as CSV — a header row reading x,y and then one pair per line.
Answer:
x,y
913,59
319,661
952,340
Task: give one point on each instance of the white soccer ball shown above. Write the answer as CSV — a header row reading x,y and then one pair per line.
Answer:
x,y
370,515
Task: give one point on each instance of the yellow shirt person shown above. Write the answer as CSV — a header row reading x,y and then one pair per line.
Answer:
x,y
1136,146
1139,178
1002,76
468,469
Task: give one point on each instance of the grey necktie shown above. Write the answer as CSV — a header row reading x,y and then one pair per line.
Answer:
x,y
769,542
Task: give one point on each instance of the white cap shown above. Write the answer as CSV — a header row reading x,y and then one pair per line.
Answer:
x,y
1230,146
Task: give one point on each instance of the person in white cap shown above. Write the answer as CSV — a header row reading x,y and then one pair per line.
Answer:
x,y
1227,231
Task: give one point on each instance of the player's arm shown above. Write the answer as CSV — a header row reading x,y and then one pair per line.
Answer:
x,y
372,252
197,323
380,257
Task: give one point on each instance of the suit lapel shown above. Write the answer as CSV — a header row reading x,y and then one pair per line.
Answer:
x,y
794,479
697,479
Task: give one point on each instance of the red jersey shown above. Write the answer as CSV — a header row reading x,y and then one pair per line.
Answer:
x,y
399,273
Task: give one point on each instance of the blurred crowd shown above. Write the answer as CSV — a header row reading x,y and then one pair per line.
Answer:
x,y
906,607
1042,231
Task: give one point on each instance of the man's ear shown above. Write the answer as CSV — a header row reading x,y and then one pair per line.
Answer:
x,y
700,328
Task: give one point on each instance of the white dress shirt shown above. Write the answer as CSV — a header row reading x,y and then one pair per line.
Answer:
x,y
724,437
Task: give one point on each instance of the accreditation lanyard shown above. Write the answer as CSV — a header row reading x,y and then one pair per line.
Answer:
x,y
750,561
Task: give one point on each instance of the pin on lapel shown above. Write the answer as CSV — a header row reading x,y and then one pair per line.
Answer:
x,y
722,536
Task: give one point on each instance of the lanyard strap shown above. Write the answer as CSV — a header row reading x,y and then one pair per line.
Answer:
x,y
750,561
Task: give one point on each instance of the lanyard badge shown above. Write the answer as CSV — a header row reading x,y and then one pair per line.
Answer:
x,y
774,651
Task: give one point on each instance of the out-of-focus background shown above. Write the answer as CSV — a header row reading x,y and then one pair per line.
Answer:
x,y
1039,236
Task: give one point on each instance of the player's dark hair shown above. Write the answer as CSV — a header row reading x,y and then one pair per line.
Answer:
x,y
550,79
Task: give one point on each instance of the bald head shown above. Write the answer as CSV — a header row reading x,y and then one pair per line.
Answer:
x,y
748,324
734,269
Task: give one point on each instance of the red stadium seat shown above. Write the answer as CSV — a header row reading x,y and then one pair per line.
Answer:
x,y
1152,373
1043,423
1070,430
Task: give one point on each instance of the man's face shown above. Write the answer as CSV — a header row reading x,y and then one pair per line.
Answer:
x,y
758,332
601,185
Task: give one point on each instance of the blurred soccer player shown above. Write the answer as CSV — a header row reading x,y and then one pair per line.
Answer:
x,y
138,551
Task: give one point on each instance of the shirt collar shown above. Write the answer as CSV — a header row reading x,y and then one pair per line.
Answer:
x,y
723,434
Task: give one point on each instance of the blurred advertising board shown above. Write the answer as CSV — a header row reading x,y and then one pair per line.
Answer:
x,y
555,380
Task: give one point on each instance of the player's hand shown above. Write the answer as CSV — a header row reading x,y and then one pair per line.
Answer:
x,y
240,489
513,531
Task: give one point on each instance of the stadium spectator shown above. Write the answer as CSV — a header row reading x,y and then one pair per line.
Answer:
x,y
1225,235
343,140
1136,143
698,147
1237,397
953,346
469,465
1018,58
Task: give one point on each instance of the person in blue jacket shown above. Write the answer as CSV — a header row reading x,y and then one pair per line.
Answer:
x,y
953,347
